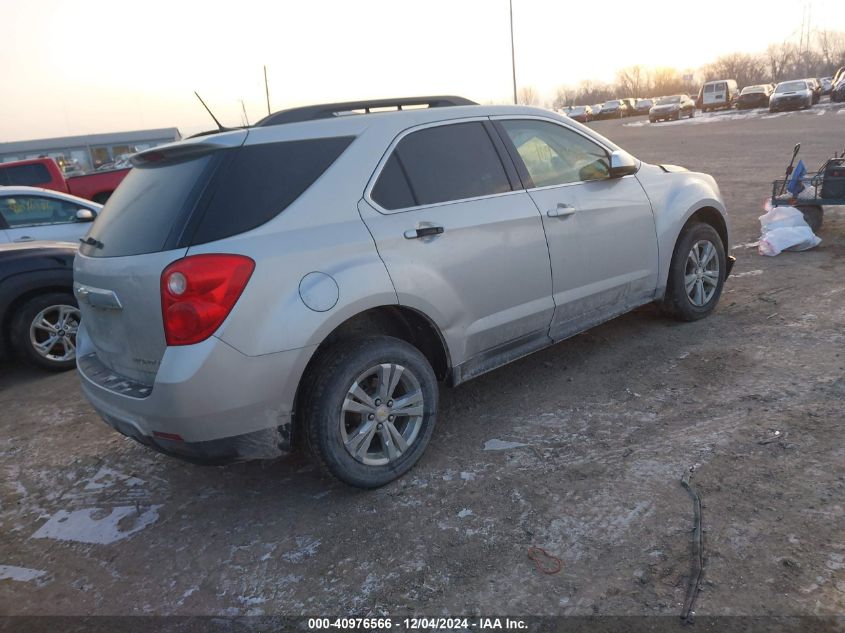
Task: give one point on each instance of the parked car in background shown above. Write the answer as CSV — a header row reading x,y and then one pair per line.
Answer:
x,y
582,114
672,108
28,214
631,106
791,95
642,106
614,109
837,90
754,97
827,84
717,94
46,173
235,326
816,86
596,110
39,316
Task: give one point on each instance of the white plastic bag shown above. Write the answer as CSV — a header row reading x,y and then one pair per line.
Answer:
x,y
784,228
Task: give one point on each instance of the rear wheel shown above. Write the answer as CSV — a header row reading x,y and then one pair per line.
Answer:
x,y
813,216
44,329
370,409
696,275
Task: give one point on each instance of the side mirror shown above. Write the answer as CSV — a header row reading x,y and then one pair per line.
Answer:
x,y
622,164
85,215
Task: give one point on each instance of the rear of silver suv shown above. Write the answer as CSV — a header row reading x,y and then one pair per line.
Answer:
x,y
321,271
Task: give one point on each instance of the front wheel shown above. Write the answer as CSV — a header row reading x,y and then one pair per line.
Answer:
x,y
696,274
370,409
44,329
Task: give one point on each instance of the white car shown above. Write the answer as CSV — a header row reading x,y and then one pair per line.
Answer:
x,y
28,214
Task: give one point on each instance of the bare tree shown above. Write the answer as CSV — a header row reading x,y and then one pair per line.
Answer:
x,y
666,81
632,81
528,96
561,98
780,59
832,49
747,69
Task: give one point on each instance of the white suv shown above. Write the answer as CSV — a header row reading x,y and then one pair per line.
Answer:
x,y
315,275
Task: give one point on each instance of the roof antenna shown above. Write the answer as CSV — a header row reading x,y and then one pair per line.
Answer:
x,y
220,127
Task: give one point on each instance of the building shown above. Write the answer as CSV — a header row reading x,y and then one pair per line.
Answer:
x,y
89,151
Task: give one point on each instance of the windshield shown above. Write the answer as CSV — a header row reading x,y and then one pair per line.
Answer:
x,y
753,89
668,100
611,104
643,102
791,86
577,109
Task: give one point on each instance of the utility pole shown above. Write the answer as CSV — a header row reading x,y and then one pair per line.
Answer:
x,y
513,55
267,90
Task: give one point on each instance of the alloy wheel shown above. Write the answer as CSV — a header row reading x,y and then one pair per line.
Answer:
x,y
382,414
701,276
52,332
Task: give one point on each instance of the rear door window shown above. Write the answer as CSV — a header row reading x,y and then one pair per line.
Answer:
x,y
25,175
441,164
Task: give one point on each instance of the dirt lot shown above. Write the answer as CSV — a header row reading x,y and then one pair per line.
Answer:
x,y
608,422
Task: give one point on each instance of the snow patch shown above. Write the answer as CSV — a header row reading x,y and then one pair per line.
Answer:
x,y
20,574
466,512
96,525
306,547
749,273
501,445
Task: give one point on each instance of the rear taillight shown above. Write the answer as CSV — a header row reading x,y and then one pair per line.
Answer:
x,y
198,292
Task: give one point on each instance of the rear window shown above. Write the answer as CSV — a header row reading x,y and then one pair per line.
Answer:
x,y
143,211
208,198
24,175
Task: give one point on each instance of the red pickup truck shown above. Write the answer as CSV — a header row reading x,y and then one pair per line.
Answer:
x,y
46,173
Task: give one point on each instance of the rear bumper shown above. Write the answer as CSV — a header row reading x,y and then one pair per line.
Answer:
x,y
209,402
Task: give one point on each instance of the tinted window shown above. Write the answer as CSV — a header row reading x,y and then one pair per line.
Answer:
x,y
554,155
207,198
141,213
25,175
392,190
260,181
21,211
449,162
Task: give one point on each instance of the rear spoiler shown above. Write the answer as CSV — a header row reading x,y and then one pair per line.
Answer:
x,y
189,148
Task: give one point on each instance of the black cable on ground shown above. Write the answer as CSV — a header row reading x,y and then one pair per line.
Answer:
x,y
697,564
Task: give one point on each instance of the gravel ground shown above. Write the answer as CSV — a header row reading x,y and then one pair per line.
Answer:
x,y
594,436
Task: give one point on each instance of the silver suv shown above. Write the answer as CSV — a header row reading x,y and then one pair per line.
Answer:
x,y
311,278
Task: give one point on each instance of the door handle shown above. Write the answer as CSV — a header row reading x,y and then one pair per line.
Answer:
x,y
423,231
561,211
24,238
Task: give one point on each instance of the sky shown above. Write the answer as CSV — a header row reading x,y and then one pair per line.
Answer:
x,y
92,66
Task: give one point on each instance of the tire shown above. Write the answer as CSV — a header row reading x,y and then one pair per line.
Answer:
x,y
59,310
333,417
678,116
692,113
813,216
682,301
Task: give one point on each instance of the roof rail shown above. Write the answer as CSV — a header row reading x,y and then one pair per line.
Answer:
x,y
330,110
